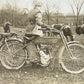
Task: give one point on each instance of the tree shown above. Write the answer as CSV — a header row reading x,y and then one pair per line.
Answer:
x,y
9,13
6,12
50,9
76,5
47,11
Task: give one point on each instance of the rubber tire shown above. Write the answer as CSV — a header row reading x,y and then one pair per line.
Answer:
x,y
6,63
61,56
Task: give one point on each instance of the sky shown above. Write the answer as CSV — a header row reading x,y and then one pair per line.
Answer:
x,y
63,5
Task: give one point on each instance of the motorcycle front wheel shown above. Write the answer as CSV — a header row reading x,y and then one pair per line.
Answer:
x,y
74,64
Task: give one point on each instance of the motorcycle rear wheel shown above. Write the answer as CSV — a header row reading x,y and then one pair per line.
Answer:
x,y
13,54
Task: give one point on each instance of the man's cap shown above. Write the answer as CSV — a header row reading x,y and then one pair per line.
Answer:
x,y
37,3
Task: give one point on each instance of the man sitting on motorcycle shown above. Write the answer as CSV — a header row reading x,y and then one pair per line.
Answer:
x,y
35,21
34,24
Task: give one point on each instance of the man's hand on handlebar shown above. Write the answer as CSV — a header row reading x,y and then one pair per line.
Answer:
x,y
48,27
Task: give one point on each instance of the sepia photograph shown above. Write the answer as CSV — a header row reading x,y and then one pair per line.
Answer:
x,y
41,41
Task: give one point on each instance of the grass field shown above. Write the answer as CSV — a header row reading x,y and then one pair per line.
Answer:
x,y
39,75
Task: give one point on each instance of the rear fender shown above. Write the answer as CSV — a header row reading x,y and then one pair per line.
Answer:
x,y
11,39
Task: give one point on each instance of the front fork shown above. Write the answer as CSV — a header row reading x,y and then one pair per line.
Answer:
x,y
66,45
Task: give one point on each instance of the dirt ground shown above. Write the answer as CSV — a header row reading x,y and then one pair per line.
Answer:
x,y
40,75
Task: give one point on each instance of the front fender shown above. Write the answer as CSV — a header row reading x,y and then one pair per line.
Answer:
x,y
71,42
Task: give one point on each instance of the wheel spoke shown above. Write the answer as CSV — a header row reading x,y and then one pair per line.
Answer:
x,y
9,50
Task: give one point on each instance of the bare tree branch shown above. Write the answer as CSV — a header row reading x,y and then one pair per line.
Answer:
x,y
47,11
81,6
78,5
72,7
75,3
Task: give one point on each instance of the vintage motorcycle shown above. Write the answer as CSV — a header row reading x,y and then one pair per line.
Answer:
x,y
15,53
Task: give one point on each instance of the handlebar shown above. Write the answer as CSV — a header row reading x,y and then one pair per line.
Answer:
x,y
51,29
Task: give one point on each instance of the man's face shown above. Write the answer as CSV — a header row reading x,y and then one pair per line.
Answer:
x,y
39,7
